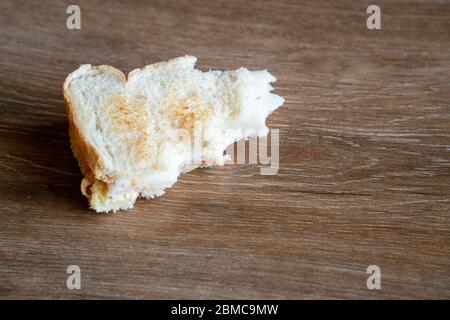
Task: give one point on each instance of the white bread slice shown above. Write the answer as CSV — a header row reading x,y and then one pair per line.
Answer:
x,y
126,136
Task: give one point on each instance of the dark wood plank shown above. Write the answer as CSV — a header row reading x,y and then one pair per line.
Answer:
x,y
364,161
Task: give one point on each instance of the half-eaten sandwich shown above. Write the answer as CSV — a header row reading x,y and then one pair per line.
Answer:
x,y
133,136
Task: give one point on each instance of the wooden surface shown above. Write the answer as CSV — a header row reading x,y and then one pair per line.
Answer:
x,y
364,161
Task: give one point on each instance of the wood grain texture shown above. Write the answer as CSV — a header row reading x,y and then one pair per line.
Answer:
x,y
364,161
